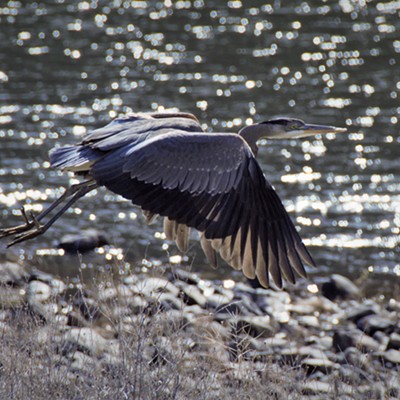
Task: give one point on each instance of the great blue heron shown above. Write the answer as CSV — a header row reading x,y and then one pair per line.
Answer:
x,y
166,164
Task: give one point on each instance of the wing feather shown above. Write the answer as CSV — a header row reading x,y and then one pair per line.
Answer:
x,y
210,182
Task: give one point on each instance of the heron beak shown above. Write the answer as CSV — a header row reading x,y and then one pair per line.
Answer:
x,y
312,130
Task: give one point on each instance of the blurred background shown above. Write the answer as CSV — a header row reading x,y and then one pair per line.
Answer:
x,y
67,67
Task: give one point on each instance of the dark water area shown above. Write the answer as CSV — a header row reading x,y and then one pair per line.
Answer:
x,y
67,67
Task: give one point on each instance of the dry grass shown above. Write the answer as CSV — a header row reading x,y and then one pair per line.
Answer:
x,y
157,355
151,353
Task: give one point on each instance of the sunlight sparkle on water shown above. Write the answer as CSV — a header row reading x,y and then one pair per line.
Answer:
x,y
350,242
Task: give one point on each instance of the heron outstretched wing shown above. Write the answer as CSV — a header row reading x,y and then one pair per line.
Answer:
x,y
213,183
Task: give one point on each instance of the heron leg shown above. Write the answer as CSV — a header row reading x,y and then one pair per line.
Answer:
x,y
33,227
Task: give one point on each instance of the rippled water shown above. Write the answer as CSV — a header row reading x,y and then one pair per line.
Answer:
x,y
70,66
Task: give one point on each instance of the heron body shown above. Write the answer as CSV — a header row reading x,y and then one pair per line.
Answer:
x,y
167,165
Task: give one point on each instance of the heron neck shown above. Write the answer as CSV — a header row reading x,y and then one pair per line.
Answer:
x,y
252,133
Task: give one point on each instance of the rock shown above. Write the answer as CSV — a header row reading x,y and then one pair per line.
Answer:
x,y
168,301
393,305
278,340
12,274
324,342
394,341
179,274
161,351
342,339
82,242
381,338
86,340
302,309
392,356
57,286
38,291
217,301
256,326
345,338
309,321
316,387
248,306
88,307
324,365
393,378
152,286
193,295
360,311
349,373
82,362
339,286
171,321
312,352
293,354
366,343
354,357
373,323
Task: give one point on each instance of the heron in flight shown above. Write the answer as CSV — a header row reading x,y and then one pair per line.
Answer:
x,y
167,165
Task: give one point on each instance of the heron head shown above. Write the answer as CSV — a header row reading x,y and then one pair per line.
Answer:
x,y
293,128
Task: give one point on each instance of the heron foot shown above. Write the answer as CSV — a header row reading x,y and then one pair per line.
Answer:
x,y
29,229
30,234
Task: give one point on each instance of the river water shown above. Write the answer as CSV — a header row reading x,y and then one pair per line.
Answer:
x,y
67,67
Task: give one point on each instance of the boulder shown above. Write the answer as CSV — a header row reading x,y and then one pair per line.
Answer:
x,y
83,242
339,286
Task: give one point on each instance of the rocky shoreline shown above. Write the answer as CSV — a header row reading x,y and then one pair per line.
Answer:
x,y
172,335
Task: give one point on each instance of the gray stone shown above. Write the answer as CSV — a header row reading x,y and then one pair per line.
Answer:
x,y
294,354
394,341
12,274
360,311
256,326
339,286
366,343
169,301
193,295
57,286
349,373
373,323
316,387
381,338
38,291
309,320
152,286
392,356
83,242
278,340
83,362
312,352
393,305
303,309
137,304
248,306
180,274
353,356
11,297
218,301
86,340
171,321
324,365
88,307
342,339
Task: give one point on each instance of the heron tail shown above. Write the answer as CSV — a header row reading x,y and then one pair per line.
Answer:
x,y
73,158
